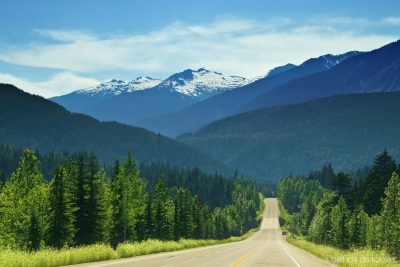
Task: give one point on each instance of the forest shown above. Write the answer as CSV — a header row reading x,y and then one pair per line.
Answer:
x,y
82,202
333,209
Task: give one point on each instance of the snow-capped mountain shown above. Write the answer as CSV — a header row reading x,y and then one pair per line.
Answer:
x,y
235,101
201,83
117,87
130,102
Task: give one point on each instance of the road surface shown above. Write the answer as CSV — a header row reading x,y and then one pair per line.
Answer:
x,y
266,247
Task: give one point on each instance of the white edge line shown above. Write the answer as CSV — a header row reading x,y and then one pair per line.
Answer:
x,y
277,227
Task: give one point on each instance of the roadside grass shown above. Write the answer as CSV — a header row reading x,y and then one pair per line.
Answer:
x,y
100,252
363,257
54,257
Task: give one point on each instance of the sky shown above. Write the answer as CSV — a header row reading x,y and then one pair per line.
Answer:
x,y
52,48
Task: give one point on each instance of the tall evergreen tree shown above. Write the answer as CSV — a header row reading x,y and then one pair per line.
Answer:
x,y
341,183
358,228
376,182
163,212
321,225
23,205
340,217
374,233
391,216
80,178
183,214
61,219
93,214
128,202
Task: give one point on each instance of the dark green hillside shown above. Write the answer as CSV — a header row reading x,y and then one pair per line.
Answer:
x,y
32,121
347,131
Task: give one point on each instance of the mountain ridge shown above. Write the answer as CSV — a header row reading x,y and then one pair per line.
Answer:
x,y
374,71
344,130
230,102
176,92
34,122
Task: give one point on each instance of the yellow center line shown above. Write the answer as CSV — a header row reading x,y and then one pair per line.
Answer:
x,y
248,256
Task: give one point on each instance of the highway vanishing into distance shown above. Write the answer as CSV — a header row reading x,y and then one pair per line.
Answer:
x,y
266,247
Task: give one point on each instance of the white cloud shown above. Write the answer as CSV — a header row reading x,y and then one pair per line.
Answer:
x,y
393,21
232,46
59,84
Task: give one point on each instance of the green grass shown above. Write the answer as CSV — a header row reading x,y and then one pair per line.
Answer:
x,y
68,256
54,257
363,257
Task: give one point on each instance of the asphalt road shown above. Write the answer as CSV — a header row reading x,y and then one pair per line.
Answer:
x,y
266,247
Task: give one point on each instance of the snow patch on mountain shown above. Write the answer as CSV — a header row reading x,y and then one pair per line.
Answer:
x,y
196,83
192,83
332,60
117,87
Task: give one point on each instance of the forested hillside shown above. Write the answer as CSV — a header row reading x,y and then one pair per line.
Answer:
x,y
32,121
83,205
346,131
345,214
213,188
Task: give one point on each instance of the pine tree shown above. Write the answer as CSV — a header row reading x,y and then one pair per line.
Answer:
x,y
163,212
374,239
199,222
183,214
61,219
93,202
100,208
80,178
133,198
340,217
358,228
391,216
128,202
23,205
341,183
321,226
377,180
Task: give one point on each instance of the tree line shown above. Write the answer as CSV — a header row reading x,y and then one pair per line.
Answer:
x,y
347,213
82,204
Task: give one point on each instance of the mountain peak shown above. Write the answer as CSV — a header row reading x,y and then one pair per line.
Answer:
x,y
117,87
201,82
280,69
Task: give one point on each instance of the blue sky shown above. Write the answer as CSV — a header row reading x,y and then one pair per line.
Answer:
x,y
54,47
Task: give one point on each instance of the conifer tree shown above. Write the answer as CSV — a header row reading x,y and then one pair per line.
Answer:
x,y
199,222
93,207
391,216
374,239
183,214
163,212
340,217
358,228
341,183
321,226
24,204
61,219
80,178
376,182
128,203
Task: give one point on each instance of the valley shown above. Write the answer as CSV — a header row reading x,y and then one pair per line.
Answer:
x,y
193,156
